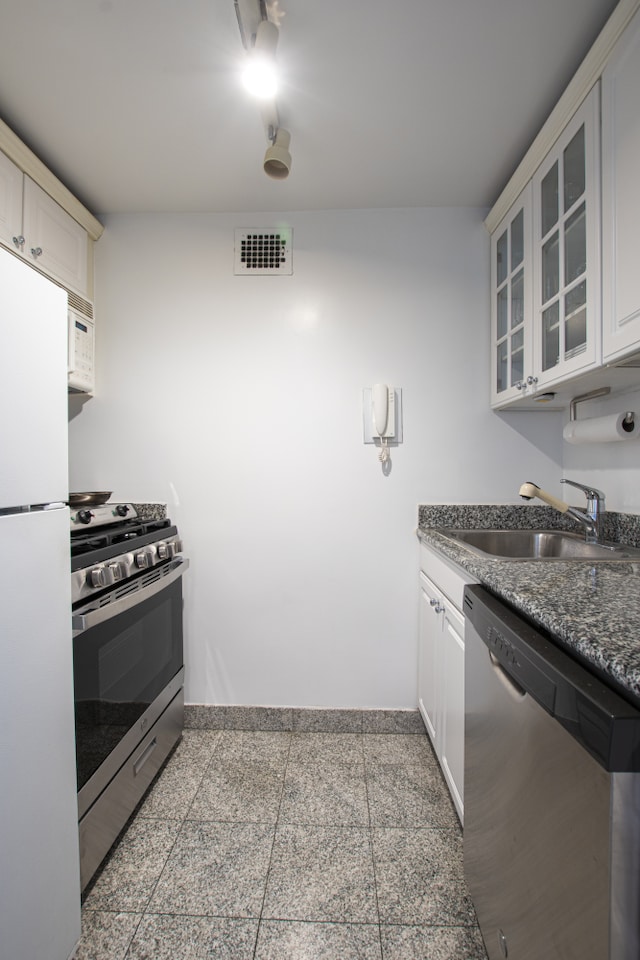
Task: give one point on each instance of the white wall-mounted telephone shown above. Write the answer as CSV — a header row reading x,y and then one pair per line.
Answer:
x,y
382,417
383,405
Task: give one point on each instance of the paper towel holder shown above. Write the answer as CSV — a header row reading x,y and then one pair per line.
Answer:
x,y
628,424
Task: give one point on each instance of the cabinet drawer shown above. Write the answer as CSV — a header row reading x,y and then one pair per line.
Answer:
x,y
450,578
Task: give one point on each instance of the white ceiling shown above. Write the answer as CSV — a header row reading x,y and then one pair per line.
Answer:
x,y
136,104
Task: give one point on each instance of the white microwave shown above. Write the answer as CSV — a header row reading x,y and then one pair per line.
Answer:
x,y
81,362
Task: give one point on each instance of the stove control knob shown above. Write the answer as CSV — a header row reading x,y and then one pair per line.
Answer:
x,y
174,547
122,510
163,550
84,516
101,576
144,559
117,570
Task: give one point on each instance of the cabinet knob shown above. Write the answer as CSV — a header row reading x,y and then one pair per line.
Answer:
x,y
19,241
532,380
519,385
36,252
433,602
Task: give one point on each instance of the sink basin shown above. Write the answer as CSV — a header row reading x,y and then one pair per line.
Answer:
x,y
537,545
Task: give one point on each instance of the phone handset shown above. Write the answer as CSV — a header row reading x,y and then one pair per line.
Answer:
x,y
380,407
383,403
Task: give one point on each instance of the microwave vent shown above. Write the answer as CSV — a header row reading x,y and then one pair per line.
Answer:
x,y
263,252
80,305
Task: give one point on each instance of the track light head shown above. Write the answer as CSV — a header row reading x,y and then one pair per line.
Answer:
x,y
277,159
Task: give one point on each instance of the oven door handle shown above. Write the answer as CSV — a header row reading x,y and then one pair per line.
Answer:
x,y
84,621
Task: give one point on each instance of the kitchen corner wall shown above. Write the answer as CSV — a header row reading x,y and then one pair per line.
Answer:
x,y
237,400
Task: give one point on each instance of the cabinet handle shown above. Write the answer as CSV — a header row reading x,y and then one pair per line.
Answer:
x,y
36,251
144,756
19,241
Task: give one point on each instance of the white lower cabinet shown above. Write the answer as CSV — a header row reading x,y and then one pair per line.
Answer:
x,y
441,666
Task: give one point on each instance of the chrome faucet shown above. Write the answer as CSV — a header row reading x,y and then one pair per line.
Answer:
x,y
591,520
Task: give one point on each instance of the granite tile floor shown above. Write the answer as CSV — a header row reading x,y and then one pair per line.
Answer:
x,y
287,846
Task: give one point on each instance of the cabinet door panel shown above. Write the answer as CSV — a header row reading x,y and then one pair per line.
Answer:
x,y
62,241
453,709
621,196
428,658
511,360
566,225
10,201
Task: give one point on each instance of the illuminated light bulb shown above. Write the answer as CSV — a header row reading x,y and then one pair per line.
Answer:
x,y
260,75
260,78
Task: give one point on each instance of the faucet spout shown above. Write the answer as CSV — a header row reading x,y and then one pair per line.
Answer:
x,y
530,490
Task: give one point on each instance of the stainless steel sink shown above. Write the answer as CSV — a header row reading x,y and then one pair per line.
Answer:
x,y
537,545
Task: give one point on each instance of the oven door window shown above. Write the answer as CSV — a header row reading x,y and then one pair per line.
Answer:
x,y
120,667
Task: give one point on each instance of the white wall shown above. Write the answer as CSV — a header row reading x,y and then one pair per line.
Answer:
x,y
238,401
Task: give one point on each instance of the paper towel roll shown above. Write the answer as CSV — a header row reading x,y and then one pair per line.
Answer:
x,y
601,429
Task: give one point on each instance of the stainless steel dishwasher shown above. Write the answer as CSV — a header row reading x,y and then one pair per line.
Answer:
x,y
552,796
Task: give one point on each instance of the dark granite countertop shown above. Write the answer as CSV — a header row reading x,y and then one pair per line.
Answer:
x,y
151,511
591,609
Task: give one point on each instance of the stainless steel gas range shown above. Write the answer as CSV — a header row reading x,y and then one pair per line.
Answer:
x,y
126,584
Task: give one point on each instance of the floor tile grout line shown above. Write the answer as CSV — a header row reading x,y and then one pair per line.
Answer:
x,y
273,844
183,819
127,952
373,859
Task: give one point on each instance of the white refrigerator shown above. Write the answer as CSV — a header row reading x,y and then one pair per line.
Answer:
x,y
39,867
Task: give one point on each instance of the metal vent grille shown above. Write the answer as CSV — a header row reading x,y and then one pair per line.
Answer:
x,y
79,304
263,252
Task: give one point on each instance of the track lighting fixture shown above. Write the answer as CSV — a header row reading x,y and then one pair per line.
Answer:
x,y
259,36
277,159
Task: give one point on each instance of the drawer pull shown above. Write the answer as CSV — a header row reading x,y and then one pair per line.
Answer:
x,y
144,756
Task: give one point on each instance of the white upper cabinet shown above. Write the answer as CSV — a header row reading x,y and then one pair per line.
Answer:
x,y
545,271
577,327
511,313
10,201
33,225
55,242
621,196
566,251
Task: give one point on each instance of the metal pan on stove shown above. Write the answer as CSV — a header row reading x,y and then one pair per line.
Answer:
x,y
92,498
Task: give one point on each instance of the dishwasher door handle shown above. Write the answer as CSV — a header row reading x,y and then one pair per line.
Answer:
x,y
511,685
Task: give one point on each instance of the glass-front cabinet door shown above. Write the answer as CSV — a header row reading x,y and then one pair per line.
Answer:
x,y
566,224
511,362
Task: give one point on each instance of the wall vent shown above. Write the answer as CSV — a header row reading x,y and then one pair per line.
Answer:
x,y
263,252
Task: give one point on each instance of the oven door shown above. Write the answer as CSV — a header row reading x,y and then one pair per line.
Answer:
x,y
128,657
